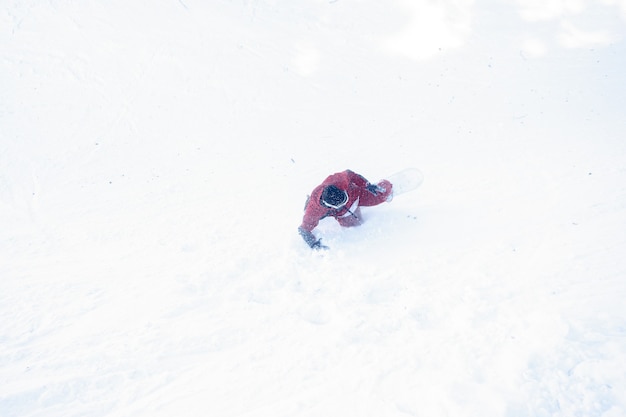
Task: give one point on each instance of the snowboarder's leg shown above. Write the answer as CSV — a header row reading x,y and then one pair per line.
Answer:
x,y
351,219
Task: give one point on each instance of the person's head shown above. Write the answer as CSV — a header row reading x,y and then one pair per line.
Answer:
x,y
334,197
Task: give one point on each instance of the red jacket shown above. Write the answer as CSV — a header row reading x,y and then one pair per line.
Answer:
x,y
360,193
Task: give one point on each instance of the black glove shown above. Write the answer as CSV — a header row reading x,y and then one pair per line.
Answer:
x,y
309,238
317,245
374,189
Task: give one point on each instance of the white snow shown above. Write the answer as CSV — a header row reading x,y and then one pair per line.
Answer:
x,y
154,161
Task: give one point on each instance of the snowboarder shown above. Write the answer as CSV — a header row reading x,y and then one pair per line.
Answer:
x,y
341,196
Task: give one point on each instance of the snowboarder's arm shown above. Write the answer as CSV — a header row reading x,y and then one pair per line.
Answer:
x,y
357,179
363,184
375,194
370,194
311,219
309,222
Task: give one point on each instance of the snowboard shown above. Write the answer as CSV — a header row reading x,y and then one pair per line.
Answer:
x,y
406,180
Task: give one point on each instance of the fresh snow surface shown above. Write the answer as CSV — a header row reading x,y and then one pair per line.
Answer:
x,y
155,157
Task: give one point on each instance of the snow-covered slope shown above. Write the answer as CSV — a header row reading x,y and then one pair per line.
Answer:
x,y
154,161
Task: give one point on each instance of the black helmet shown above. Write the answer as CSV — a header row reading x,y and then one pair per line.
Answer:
x,y
334,197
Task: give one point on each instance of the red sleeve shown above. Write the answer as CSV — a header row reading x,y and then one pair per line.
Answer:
x,y
357,179
313,212
367,197
309,222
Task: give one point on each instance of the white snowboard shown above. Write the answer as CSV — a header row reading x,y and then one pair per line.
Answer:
x,y
406,180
